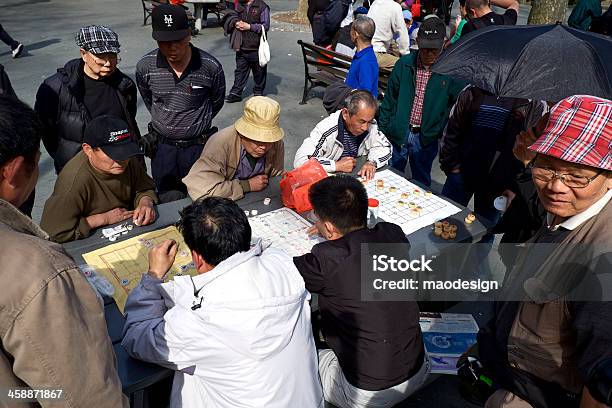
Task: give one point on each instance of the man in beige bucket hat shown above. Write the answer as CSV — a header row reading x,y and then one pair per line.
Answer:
x,y
241,157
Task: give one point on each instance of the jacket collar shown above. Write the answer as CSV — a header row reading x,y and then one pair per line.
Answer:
x,y
341,126
18,221
73,75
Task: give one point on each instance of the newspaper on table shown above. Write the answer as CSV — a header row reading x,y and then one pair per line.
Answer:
x,y
446,337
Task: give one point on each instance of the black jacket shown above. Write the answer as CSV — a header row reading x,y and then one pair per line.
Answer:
x,y
59,103
480,145
378,344
5,84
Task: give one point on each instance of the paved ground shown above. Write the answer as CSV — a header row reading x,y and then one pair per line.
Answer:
x,y
47,29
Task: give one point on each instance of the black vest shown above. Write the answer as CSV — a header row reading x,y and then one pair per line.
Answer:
x,y
250,39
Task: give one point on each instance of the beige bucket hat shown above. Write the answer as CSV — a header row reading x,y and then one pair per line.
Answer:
x,y
260,120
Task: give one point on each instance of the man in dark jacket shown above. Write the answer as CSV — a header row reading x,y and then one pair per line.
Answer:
x,y
5,83
476,149
253,18
377,356
82,90
417,102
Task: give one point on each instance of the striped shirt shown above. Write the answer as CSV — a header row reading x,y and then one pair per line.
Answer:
x,y
181,108
351,143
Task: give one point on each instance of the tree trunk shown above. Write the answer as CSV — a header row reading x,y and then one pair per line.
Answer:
x,y
547,11
301,10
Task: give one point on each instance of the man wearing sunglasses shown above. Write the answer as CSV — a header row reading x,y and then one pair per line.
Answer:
x,y
542,350
85,88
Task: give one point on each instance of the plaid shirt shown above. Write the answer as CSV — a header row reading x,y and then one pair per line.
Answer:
x,y
422,77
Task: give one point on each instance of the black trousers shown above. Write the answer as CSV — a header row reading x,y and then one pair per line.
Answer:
x,y
248,61
169,166
7,39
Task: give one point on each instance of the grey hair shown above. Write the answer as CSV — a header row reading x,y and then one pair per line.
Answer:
x,y
365,27
358,99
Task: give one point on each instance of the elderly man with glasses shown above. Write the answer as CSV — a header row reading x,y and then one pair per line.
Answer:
x,y
85,88
552,326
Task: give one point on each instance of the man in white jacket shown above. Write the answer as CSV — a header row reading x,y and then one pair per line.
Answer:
x,y
239,333
343,136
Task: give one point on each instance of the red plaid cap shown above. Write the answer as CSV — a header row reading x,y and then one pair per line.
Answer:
x,y
579,130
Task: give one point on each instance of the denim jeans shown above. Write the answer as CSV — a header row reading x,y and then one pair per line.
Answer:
x,y
418,156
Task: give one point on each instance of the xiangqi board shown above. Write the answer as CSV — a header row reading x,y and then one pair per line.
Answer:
x,y
124,263
405,204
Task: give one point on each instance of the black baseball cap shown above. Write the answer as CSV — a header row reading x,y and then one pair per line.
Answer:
x,y
111,134
432,32
169,23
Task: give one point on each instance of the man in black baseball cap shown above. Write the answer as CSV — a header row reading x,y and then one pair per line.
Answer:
x,y
413,122
101,185
111,135
184,88
170,23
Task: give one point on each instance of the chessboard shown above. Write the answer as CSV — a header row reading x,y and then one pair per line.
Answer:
x,y
405,204
123,263
283,229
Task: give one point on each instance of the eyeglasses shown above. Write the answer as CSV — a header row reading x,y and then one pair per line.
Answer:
x,y
570,180
101,59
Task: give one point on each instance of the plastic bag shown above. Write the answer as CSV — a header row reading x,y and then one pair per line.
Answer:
x,y
296,183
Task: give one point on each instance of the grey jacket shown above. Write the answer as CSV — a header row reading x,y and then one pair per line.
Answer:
x,y
51,322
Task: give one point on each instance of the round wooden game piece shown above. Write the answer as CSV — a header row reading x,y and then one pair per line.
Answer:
x,y
453,228
445,235
415,211
392,189
447,228
428,194
437,232
416,191
404,195
412,205
452,235
438,224
470,218
445,222
400,203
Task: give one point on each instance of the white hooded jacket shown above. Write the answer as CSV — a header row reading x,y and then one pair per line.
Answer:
x,y
249,344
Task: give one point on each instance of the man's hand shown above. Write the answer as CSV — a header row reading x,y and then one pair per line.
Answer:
x,y
243,26
161,258
367,171
110,217
144,214
345,164
527,138
258,183
510,195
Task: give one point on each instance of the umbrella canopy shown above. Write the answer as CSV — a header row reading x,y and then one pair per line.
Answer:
x,y
545,62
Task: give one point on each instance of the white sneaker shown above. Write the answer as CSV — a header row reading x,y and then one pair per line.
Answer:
x,y
17,51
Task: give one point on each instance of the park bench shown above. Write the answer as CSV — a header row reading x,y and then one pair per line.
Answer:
x,y
323,67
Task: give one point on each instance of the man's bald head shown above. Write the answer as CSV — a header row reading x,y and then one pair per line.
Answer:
x,y
477,4
365,27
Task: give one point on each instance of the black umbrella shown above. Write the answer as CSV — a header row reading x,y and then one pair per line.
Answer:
x,y
546,62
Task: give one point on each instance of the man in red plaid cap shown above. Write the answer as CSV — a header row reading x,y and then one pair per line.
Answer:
x,y
552,328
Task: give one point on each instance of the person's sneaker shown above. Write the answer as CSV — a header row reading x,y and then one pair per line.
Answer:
x,y
231,98
17,51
